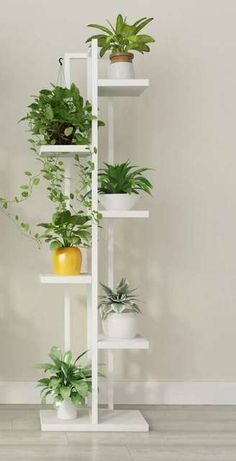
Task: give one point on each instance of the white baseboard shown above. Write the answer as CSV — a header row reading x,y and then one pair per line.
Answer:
x,y
139,392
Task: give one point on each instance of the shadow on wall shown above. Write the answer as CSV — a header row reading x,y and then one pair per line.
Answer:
x,y
17,332
170,335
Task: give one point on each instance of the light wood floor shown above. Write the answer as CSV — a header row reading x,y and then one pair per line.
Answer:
x,y
178,433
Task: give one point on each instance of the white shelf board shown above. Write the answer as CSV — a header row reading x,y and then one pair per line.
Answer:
x,y
109,421
122,87
66,279
139,342
64,150
124,213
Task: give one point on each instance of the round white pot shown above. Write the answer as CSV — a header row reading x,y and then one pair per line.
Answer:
x,y
121,65
120,326
121,70
118,201
67,410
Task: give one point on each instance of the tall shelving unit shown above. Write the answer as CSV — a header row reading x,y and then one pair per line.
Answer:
x,y
93,418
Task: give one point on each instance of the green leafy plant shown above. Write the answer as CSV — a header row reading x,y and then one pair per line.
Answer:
x,y
66,230
67,379
122,37
123,178
120,300
59,116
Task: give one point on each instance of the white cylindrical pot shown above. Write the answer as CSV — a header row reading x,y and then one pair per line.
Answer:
x,y
118,201
67,410
121,66
121,70
120,326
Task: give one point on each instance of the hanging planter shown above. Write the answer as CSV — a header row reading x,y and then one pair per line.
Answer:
x,y
119,309
60,116
120,185
120,39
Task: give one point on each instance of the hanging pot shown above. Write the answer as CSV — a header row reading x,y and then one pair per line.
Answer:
x,y
120,326
121,66
67,261
67,410
118,201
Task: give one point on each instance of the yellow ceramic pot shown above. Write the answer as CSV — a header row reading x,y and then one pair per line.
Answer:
x,y
67,261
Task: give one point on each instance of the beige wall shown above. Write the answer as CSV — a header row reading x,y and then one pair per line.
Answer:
x,y
183,258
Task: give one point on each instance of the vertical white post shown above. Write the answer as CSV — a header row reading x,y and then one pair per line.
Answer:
x,y
66,63
110,265
110,370
89,297
94,329
67,294
66,321
110,353
67,192
110,125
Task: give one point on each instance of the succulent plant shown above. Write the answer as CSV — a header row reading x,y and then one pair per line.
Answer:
x,y
120,300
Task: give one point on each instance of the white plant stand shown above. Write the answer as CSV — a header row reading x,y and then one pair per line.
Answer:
x,y
93,418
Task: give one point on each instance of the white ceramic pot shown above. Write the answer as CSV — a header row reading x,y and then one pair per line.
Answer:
x,y
121,66
67,410
120,326
121,70
118,201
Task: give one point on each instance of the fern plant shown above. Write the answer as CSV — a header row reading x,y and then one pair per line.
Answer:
x,y
120,300
67,379
123,178
122,37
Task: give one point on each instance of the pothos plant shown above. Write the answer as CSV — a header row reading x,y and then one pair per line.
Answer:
x,y
56,116
60,116
67,230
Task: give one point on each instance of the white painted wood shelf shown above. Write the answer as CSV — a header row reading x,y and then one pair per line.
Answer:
x,y
139,342
93,418
108,421
122,87
83,279
64,151
124,213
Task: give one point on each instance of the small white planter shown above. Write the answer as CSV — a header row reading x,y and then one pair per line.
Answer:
x,y
118,201
121,66
120,326
67,410
121,70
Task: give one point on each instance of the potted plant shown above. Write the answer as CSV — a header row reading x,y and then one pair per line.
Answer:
x,y
118,309
120,185
64,233
68,383
60,116
120,39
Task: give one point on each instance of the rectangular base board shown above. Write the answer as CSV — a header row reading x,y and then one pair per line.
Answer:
x,y
109,421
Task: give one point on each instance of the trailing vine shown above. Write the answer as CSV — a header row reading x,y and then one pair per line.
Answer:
x,y
56,116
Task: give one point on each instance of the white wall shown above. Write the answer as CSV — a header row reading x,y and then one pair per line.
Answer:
x,y
183,259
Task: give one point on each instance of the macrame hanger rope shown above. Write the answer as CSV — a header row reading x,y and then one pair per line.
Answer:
x,y
61,81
